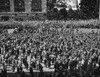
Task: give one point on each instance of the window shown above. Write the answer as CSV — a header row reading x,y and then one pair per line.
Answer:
x,y
4,6
36,6
19,5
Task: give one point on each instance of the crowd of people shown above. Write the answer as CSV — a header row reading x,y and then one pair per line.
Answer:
x,y
72,53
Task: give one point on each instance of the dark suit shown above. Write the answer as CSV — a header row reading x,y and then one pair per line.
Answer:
x,y
4,73
31,72
23,74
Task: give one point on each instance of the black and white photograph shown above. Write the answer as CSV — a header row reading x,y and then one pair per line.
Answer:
x,y
49,38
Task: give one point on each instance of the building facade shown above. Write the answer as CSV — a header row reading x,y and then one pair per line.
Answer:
x,y
22,9
37,9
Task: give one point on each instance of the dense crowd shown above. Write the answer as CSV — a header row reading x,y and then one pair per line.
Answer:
x,y
72,53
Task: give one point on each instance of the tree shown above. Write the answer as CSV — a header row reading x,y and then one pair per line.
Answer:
x,y
90,8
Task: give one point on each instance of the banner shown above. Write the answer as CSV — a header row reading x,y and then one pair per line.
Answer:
x,y
10,31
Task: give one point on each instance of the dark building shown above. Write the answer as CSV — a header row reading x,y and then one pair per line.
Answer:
x,y
39,9
22,9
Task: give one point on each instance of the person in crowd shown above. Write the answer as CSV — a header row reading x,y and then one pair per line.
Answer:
x,y
4,71
52,45
22,74
31,72
41,74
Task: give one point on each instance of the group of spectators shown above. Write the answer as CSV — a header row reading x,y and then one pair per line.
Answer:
x,y
72,53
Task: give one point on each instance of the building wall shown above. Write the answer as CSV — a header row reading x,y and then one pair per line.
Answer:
x,y
12,5
44,6
28,5
28,14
